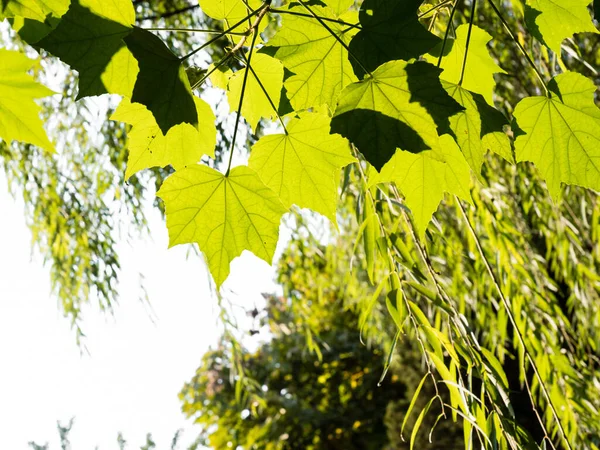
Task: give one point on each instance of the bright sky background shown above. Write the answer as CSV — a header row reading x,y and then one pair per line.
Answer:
x,y
138,360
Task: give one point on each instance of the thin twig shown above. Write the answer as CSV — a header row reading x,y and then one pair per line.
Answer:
x,y
464,65
310,16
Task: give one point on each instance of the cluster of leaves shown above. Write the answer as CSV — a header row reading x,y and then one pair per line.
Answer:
x,y
381,84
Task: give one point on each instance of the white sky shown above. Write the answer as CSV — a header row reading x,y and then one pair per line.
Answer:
x,y
130,380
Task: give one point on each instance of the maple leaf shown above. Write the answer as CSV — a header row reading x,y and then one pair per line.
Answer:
x,y
162,84
390,30
303,166
423,178
19,115
561,134
552,21
394,108
263,89
318,61
231,12
480,66
478,128
34,9
184,144
224,215
90,39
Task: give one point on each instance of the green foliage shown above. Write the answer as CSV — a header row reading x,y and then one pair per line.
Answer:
x,y
425,126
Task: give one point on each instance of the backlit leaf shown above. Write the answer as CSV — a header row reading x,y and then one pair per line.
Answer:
x,y
319,62
303,166
480,66
398,107
423,178
34,9
555,20
183,145
19,114
224,215
90,39
562,133
162,84
390,30
478,128
263,89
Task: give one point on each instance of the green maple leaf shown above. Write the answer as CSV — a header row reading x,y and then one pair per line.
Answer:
x,y
399,106
423,179
318,61
19,115
478,128
480,66
90,39
34,9
231,12
303,166
224,215
149,147
552,21
263,89
162,84
390,30
562,133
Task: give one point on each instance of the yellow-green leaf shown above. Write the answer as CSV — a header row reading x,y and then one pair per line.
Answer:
x,y
263,89
480,66
304,166
224,215
556,20
184,144
319,62
19,114
561,134
34,9
423,178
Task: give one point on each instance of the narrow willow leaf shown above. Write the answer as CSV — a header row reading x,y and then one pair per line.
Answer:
x,y
318,61
561,134
419,421
183,145
162,84
304,166
398,107
479,128
413,401
390,30
480,66
19,114
423,179
447,375
496,367
390,357
370,235
263,89
34,9
396,307
224,215
89,38
552,21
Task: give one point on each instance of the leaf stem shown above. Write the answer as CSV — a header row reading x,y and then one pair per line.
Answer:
x,y
464,65
447,33
211,71
514,38
324,25
311,16
434,8
254,29
194,30
513,322
223,33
